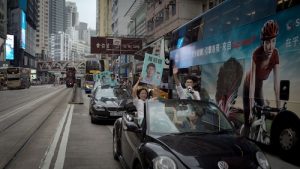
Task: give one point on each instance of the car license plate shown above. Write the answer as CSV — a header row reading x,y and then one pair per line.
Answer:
x,y
115,113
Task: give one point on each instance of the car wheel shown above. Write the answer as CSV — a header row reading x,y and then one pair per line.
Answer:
x,y
137,166
115,146
93,120
286,138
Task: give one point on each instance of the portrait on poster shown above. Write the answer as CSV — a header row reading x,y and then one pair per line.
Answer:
x,y
152,69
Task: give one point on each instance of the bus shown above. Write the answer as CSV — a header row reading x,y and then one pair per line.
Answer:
x,y
247,54
3,78
93,68
18,78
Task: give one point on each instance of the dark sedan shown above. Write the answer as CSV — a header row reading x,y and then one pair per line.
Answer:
x,y
107,103
176,134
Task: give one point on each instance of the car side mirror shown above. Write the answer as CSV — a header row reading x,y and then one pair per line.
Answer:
x,y
131,126
130,109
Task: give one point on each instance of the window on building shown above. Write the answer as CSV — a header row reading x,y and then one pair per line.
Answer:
x,y
159,18
173,9
167,12
150,24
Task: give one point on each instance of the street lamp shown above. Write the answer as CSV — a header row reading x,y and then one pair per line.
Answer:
x,y
134,26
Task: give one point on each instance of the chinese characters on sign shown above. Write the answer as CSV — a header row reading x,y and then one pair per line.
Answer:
x,y
106,45
213,49
292,42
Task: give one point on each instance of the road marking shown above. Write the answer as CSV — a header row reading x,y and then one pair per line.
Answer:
x,y
18,110
49,154
59,164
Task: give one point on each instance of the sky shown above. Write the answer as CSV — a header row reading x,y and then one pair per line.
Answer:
x,y
87,11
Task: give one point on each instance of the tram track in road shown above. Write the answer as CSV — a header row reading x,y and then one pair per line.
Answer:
x,y
7,120
23,100
10,151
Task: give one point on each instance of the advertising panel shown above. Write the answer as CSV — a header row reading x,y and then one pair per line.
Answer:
x,y
152,69
271,44
9,46
23,30
23,4
105,45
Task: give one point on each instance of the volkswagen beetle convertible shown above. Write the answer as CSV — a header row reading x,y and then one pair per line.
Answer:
x,y
176,134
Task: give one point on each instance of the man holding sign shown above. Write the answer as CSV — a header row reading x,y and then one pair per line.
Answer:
x,y
152,69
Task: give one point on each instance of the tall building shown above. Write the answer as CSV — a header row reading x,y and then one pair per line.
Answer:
x,y
60,46
103,18
56,16
22,23
42,33
3,28
71,16
119,18
83,32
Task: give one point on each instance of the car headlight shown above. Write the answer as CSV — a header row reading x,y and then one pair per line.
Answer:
x,y
99,108
262,160
164,162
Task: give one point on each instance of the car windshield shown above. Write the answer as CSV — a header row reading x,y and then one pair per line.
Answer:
x,y
185,116
111,94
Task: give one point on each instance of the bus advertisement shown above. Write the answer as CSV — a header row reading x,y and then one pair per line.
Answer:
x,y
18,78
249,62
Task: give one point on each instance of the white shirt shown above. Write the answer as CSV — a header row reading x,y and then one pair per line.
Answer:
x,y
185,94
139,104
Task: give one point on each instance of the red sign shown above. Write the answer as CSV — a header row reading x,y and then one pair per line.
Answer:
x,y
106,45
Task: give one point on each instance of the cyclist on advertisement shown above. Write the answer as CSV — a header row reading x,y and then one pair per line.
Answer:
x,y
265,59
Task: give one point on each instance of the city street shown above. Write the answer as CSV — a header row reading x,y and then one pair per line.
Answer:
x,y
39,129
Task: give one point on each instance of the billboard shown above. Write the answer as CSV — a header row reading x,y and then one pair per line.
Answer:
x,y
23,29
105,45
23,4
9,47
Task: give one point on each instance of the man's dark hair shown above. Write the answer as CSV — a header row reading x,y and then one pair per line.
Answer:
x,y
151,65
193,78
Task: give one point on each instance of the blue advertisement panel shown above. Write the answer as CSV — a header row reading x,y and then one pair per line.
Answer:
x,y
9,47
23,4
23,30
152,69
246,65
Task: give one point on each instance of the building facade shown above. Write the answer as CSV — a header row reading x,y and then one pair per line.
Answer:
x,y
56,16
42,33
163,16
22,24
3,29
119,18
103,18
60,47
71,16
137,22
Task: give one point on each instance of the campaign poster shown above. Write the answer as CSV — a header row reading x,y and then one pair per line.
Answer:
x,y
152,69
105,77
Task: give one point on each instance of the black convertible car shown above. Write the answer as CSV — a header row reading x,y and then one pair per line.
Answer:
x,y
175,134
